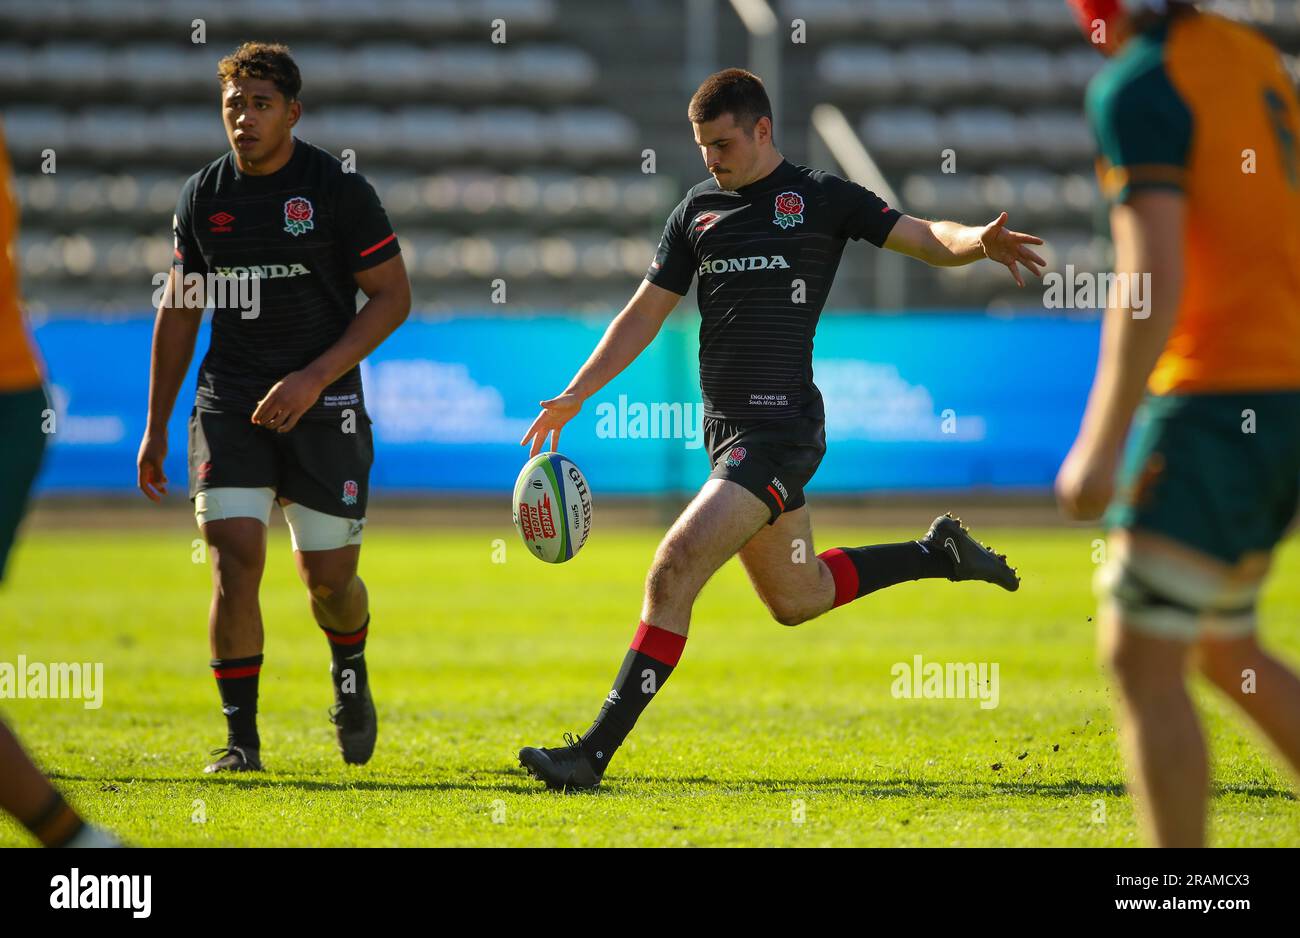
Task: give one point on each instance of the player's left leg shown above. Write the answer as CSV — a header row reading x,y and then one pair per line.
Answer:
x,y
340,605
323,491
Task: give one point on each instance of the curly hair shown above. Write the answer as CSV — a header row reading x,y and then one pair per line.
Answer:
x,y
268,60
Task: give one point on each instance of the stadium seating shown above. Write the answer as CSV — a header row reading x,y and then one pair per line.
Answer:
x,y
525,157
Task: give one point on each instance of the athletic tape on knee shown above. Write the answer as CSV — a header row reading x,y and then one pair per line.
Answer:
x,y
1171,598
218,504
314,530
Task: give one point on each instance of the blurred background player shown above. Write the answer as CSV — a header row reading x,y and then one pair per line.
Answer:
x,y
1203,169
279,414
24,791
765,237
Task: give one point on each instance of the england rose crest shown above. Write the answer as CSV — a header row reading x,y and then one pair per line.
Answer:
x,y
297,216
735,457
789,209
349,492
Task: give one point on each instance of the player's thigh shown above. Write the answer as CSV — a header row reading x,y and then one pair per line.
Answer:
x,y
780,559
237,546
711,529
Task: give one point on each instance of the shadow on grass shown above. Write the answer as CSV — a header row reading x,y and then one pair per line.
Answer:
x,y
514,781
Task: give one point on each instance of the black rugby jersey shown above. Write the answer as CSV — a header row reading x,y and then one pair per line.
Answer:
x,y
303,231
749,247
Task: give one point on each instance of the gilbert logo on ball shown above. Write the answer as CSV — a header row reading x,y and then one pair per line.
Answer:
x,y
552,507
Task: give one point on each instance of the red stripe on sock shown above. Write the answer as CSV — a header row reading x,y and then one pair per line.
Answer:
x,y
247,670
777,495
659,644
351,638
845,574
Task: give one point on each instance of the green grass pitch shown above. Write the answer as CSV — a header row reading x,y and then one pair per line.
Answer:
x,y
765,735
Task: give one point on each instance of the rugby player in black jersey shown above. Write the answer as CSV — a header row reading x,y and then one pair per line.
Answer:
x,y
759,233
279,415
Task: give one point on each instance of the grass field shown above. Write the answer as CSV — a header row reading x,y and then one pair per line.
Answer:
x,y
764,736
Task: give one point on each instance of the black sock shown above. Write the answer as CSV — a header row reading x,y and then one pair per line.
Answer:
x,y
652,657
237,683
862,570
348,650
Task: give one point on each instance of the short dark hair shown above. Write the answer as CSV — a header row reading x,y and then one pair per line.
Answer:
x,y
731,91
268,60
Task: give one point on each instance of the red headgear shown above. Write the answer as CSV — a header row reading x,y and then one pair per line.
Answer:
x,y
1089,11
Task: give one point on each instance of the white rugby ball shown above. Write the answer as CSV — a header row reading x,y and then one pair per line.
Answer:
x,y
552,507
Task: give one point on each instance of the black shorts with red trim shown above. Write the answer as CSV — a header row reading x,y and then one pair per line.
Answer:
x,y
774,459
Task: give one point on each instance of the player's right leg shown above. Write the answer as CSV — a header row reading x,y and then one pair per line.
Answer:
x,y
797,585
237,546
233,473
716,524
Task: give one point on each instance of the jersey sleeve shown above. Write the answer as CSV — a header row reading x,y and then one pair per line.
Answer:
x,y
674,265
362,225
862,215
187,258
1143,131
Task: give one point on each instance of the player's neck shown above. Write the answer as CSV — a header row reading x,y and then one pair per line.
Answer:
x,y
766,167
273,163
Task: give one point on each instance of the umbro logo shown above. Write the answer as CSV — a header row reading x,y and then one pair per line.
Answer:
x,y
221,222
613,697
229,710
706,220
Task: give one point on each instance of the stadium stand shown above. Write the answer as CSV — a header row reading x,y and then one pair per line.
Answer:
x,y
523,160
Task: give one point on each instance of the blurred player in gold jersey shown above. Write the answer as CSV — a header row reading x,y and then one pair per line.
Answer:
x,y
1198,130
24,791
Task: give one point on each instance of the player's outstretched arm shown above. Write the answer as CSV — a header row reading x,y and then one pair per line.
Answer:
x,y
175,329
626,338
1147,232
948,244
388,303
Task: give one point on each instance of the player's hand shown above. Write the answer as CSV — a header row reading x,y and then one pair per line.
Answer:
x,y
287,401
149,466
1007,247
555,414
1086,483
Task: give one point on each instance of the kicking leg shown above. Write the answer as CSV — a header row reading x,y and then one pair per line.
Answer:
x,y
797,585
712,528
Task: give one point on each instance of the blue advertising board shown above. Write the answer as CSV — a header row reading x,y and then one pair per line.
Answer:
x,y
916,401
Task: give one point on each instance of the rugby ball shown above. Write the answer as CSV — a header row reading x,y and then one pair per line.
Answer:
x,y
552,508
